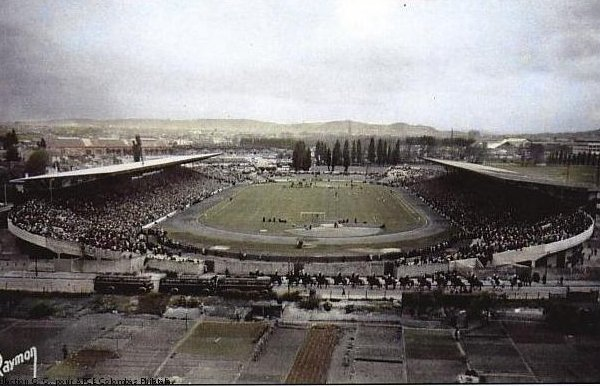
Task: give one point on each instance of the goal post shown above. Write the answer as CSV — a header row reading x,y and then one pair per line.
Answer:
x,y
312,217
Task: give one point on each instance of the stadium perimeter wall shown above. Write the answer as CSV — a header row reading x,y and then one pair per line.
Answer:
x,y
181,267
102,260
113,261
62,247
47,282
235,266
536,252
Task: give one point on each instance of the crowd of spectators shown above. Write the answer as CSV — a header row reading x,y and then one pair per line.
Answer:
x,y
492,217
406,175
113,215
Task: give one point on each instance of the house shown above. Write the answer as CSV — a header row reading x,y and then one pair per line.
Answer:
x,y
77,146
584,147
509,149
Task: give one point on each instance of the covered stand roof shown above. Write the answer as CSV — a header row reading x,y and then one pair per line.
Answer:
x,y
510,175
113,170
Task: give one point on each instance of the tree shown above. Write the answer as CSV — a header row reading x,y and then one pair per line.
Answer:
x,y
320,153
380,150
561,157
37,163
537,153
588,158
388,153
346,156
137,149
396,153
336,155
10,139
297,155
42,143
306,164
328,159
371,151
10,144
12,154
359,153
353,152
410,141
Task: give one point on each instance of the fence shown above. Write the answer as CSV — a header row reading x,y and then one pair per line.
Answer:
x,y
185,267
47,282
420,270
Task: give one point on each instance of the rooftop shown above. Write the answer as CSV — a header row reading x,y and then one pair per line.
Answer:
x,y
127,168
540,175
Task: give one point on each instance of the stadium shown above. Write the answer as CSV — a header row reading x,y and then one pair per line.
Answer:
x,y
308,277
349,192
439,212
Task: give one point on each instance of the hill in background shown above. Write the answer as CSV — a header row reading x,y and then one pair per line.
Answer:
x,y
238,126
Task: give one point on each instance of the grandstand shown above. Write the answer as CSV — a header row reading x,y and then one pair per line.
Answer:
x,y
70,178
541,220
100,212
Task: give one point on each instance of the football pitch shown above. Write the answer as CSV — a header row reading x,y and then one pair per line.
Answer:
x,y
276,208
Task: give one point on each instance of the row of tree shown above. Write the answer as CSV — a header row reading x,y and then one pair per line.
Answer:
x,y
379,152
352,153
565,157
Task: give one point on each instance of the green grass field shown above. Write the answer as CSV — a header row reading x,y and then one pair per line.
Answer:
x,y
372,204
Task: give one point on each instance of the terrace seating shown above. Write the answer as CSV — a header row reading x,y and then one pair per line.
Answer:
x,y
110,217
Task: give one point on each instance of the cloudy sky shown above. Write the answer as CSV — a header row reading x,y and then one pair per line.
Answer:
x,y
505,66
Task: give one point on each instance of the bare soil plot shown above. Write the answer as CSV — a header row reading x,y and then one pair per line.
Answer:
x,y
143,344
432,356
554,357
278,356
223,340
312,362
494,356
79,364
377,372
48,336
368,354
213,352
340,369
431,344
533,333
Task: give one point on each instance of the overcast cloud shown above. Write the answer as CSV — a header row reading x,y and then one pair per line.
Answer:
x,y
506,66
